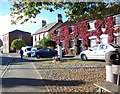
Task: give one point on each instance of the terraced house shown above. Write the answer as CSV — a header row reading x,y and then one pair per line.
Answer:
x,y
88,33
76,37
46,28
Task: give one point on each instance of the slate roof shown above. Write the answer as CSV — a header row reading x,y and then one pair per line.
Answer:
x,y
45,28
19,31
53,26
67,23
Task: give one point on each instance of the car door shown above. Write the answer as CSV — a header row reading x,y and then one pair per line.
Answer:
x,y
101,51
93,52
46,53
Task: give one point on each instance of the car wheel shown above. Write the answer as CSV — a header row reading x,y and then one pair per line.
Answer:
x,y
29,55
38,56
84,57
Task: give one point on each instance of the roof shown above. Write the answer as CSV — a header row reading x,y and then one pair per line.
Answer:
x,y
45,28
19,31
67,23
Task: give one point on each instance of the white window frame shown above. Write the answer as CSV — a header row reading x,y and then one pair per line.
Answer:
x,y
117,20
72,29
57,33
92,25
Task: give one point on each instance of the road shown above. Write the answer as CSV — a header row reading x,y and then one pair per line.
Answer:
x,y
21,76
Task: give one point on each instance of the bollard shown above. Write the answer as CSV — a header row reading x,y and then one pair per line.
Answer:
x,y
60,52
113,61
116,72
109,74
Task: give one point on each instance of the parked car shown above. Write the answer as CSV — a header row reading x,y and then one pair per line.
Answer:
x,y
33,50
45,52
98,51
27,51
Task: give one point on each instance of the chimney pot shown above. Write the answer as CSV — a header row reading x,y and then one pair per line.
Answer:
x,y
43,23
59,18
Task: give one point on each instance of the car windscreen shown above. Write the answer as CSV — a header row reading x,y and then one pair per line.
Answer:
x,y
115,45
33,49
28,49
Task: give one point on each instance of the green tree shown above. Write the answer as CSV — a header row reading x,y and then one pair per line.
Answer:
x,y
18,44
75,11
51,43
46,42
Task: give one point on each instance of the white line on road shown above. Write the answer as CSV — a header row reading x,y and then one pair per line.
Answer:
x,y
40,77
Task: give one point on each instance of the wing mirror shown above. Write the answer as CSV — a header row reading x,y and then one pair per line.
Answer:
x,y
90,49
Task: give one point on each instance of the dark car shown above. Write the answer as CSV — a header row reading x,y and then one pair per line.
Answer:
x,y
45,52
33,50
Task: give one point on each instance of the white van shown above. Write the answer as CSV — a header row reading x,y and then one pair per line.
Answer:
x,y
27,51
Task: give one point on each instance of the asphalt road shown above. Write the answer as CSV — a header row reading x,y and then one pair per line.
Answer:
x,y
21,76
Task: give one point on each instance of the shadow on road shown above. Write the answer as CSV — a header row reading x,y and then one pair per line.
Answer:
x,y
13,82
19,61
12,60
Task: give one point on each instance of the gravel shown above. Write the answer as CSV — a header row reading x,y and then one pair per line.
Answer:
x,y
72,76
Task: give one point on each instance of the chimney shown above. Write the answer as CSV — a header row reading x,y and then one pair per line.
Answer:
x,y
43,23
59,18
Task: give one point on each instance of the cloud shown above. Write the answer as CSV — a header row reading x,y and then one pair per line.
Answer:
x,y
5,25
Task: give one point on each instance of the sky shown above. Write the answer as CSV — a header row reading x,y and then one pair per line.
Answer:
x,y
5,19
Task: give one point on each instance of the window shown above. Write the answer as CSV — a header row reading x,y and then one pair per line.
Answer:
x,y
71,44
35,38
62,43
92,42
39,37
56,33
28,49
102,47
117,20
115,45
71,29
91,25
95,47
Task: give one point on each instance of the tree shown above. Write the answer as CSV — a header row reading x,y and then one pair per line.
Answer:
x,y
75,11
51,43
18,44
46,42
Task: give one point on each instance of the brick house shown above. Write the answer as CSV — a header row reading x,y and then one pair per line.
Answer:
x,y
88,33
16,34
45,29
